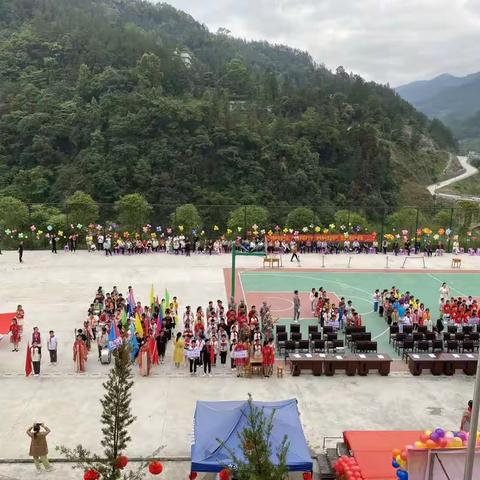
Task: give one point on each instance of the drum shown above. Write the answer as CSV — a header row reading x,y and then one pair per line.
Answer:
x,y
105,356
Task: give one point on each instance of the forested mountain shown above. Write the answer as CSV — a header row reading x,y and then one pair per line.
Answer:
x,y
454,100
119,96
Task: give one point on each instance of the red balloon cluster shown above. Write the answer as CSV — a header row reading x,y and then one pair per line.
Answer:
x,y
347,468
91,475
121,462
192,476
224,474
155,467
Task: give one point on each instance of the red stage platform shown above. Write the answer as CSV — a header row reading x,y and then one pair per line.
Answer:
x,y
373,450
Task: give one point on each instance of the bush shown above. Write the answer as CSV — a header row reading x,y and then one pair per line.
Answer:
x,y
246,217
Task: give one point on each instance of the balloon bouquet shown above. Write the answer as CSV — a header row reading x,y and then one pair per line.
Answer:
x,y
429,439
347,468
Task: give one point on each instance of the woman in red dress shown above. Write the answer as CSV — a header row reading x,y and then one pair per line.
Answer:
x,y
268,358
19,316
80,353
14,334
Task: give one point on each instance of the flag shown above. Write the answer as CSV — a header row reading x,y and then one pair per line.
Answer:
x,y
138,325
167,298
28,361
130,310
152,346
152,296
123,318
133,343
114,338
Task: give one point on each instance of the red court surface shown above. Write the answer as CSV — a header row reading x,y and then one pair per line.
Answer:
x,y
5,321
373,450
282,302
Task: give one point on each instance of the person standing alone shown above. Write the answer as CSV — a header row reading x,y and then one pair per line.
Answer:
x,y
38,446
296,306
52,347
20,252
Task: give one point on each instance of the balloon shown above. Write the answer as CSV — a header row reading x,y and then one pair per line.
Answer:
x,y
193,475
443,442
224,474
403,455
462,435
307,476
121,462
457,442
423,438
395,452
434,436
430,444
402,475
448,435
395,464
419,444
440,432
427,432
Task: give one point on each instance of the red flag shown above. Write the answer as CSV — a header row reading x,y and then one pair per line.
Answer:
x,y
28,361
152,345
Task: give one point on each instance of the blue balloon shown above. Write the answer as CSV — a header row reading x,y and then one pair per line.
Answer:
x,y
395,464
402,475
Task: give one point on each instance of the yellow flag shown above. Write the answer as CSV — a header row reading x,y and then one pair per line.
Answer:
x,y
138,325
152,296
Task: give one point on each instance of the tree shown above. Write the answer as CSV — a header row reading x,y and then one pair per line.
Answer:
x,y
188,217
406,219
301,217
257,448
247,216
116,418
81,208
133,210
350,219
13,213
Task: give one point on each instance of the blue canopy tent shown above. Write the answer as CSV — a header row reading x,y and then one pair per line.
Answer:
x,y
223,420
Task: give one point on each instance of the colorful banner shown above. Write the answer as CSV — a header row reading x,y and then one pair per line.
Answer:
x,y
322,237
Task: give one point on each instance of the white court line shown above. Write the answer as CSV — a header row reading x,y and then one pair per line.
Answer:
x,y
453,288
381,334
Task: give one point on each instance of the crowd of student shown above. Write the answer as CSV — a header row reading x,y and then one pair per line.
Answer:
x,y
406,309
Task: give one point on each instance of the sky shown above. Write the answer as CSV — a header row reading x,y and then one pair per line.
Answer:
x,y
388,41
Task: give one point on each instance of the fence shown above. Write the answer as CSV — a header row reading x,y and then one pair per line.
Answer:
x,y
436,221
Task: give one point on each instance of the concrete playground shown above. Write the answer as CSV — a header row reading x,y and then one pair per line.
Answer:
x,y
55,291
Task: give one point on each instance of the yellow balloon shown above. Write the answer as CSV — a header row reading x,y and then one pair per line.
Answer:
x,y
419,444
427,432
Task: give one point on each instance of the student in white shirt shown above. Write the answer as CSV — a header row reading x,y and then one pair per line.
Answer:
x,y
52,344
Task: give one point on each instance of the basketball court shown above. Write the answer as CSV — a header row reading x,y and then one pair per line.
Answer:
x,y
276,286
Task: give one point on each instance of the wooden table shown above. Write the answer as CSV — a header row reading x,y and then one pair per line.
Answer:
x,y
418,361
306,361
333,362
373,361
456,361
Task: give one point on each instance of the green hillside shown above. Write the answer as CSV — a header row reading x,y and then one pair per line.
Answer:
x,y
120,96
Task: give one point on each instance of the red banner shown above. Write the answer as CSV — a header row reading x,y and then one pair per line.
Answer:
x,y
322,237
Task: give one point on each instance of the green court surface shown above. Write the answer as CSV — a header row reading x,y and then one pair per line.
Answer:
x,y
359,287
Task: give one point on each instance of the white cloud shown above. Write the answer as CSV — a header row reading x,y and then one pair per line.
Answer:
x,y
393,41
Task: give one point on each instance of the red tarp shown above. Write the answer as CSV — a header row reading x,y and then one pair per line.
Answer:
x,y
5,321
373,450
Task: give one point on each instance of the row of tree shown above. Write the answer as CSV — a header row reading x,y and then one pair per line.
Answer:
x,y
132,212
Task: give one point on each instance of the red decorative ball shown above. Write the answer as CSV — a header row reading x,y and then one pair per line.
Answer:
x,y
91,475
121,462
224,474
307,476
193,475
155,467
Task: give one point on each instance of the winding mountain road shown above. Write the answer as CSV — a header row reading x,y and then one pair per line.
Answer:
x,y
470,170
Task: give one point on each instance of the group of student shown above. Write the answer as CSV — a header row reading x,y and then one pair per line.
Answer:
x,y
406,309
245,335
402,308
330,314
115,244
